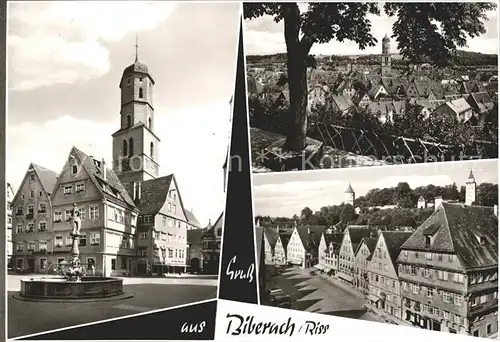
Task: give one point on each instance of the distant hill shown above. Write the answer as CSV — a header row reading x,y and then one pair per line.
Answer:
x,y
463,58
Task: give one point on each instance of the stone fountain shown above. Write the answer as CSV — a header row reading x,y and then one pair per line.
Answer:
x,y
72,284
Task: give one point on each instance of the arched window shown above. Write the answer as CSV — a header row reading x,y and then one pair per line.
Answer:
x,y
130,147
151,150
140,93
125,147
129,120
149,123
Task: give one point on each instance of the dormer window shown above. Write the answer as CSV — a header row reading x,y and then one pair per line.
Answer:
x,y
480,238
428,240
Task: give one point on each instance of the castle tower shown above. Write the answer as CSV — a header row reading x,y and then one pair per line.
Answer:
x,y
470,189
386,56
350,195
135,145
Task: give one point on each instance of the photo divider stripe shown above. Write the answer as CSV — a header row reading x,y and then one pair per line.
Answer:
x,y
238,273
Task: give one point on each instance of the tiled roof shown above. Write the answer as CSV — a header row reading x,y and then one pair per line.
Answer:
x,y
370,243
481,101
113,186
310,235
48,178
285,237
334,238
271,235
459,106
192,219
459,227
393,241
153,194
194,235
342,102
357,233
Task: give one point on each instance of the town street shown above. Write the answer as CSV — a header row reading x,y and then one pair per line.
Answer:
x,y
319,295
29,317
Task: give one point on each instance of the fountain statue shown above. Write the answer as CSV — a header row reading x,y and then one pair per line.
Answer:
x,y
73,284
74,270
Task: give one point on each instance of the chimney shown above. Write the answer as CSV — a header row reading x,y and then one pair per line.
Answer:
x,y
437,202
103,166
495,209
135,191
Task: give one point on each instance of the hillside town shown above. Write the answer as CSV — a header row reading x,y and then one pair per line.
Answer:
x,y
379,105
134,221
437,272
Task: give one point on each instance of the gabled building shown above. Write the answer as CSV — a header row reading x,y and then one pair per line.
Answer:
x,y
448,271
9,196
212,246
192,221
341,103
384,291
459,109
32,221
363,256
481,103
271,236
302,248
350,242
107,212
328,252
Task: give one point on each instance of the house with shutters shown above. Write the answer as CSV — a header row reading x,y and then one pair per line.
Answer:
x,y
363,256
350,242
107,212
448,269
384,288
32,238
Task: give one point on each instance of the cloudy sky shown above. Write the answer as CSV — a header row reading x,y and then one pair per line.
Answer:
x,y
263,36
65,60
286,194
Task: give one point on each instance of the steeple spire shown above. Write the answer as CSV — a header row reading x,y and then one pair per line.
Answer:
x,y
136,48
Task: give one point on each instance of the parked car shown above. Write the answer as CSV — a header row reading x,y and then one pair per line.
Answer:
x,y
281,301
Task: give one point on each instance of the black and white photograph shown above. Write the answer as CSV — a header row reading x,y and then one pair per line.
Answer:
x,y
334,85
118,121
413,247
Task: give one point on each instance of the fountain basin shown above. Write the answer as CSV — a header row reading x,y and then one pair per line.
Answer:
x,y
56,288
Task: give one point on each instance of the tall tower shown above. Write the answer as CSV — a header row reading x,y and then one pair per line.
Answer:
x,y
386,56
135,145
350,195
470,189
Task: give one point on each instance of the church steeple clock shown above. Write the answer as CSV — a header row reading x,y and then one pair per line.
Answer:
x,y
135,145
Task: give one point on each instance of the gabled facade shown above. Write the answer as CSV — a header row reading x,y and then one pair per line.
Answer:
x,y
448,271
347,262
328,252
162,226
384,287
363,256
32,234
271,236
108,216
296,250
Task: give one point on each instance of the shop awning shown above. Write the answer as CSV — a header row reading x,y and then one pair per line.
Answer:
x,y
319,266
373,298
327,269
345,277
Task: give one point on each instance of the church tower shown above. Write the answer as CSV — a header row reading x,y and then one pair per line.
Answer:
x,y
470,189
350,195
386,56
135,145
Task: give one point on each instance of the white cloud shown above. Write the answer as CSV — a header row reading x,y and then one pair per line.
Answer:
x,y
195,155
62,42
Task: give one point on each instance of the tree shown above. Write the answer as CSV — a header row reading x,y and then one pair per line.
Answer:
x,y
487,194
403,195
306,215
348,214
424,32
